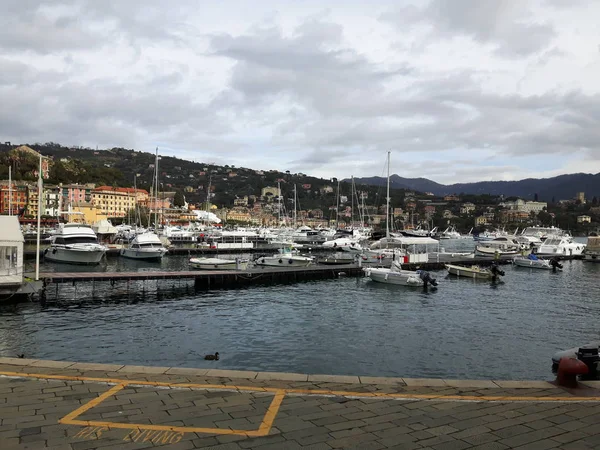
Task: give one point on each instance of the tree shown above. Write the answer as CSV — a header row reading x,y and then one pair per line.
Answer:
x,y
178,199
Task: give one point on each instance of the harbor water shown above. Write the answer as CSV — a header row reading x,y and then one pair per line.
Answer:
x,y
462,329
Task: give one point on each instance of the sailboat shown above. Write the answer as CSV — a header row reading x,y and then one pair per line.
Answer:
x,y
147,245
395,274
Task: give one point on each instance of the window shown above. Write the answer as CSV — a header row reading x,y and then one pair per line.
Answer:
x,y
8,260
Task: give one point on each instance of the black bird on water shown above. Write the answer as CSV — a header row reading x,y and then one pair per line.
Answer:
x,y
22,355
214,357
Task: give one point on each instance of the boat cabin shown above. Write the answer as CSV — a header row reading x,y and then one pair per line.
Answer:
x,y
11,251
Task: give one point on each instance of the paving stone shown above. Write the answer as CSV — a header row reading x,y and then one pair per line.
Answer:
x,y
143,369
334,378
282,376
242,374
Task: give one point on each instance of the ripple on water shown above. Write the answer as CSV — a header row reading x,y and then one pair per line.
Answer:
x,y
464,329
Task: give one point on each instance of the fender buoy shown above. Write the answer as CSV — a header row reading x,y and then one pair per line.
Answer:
x,y
290,261
53,251
280,261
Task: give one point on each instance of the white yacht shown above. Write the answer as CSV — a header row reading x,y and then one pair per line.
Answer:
x,y
450,233
75,243
147,246
345,244
285,258
504,245
560,245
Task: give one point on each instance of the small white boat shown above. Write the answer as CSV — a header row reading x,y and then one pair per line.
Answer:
x,y
490,251
146,246
285,258
533,262
476,272
75,243
219,264
395,275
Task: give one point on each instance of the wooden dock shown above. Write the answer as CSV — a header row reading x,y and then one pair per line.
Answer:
x,y
212,278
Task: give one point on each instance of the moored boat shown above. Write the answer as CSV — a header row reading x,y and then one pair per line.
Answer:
x,y
474,271
219,264
75,243
592,250
285,258
146,246
396,275
533,262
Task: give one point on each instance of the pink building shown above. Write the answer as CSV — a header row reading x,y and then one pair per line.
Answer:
x,y
75,194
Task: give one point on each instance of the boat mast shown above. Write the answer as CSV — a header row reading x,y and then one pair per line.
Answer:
x,y
337,206
278,204
352,191
295,206
39,220
156,192
387,207
10,190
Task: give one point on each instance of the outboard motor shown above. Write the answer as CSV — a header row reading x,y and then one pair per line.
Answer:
x,y
427,278
496,272
555,264
590,357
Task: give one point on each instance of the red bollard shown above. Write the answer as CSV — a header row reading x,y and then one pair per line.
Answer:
x,y
568,369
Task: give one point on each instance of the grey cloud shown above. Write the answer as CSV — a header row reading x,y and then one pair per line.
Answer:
x,y
507,24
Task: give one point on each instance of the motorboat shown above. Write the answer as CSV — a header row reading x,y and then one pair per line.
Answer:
x,y
344,244
418,232
560,245
396,275
474,271
592,250
337,259
533,262
306,235
450,233
75,243
502,246
219,264
285,258
146,246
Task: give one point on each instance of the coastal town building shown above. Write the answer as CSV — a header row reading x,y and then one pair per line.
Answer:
x,y
584,219
73,194
467,208
524,206
116,201
13,200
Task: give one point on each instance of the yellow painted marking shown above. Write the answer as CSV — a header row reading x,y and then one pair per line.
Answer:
x,y
317,392
269,418
95,401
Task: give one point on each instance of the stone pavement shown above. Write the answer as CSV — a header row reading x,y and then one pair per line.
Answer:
x,y
76,406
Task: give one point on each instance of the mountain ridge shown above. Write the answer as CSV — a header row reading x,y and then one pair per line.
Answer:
x,y
560,187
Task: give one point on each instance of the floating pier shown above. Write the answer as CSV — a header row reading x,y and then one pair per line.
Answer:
x,y
212,278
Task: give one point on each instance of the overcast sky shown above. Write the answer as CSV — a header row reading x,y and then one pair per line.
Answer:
x,y
458,90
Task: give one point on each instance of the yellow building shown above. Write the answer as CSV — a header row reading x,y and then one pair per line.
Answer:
x,y
116,201
32,202
85,213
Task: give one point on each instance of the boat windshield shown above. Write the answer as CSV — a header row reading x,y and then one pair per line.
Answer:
x,y
150,245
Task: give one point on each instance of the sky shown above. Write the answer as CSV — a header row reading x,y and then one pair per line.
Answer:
x,y
456,90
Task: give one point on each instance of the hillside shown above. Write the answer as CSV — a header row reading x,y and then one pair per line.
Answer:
x,y
119,166
560,187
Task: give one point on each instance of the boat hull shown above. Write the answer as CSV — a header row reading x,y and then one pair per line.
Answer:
x,y
71,256
216,264
283,261
469,272
389,276
143,254
532,264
